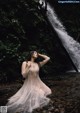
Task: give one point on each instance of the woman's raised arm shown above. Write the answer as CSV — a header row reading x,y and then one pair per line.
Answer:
x,y
46,59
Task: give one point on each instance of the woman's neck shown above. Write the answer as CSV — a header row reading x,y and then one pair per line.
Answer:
x,y
32,59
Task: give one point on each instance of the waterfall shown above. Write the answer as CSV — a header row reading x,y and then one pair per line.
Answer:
x,y
71,45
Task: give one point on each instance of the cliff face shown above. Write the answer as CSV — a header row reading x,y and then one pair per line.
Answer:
x,y
23,27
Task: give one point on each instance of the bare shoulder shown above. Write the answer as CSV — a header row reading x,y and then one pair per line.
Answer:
x,y
25,62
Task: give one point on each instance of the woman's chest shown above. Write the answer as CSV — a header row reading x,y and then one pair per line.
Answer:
x,y
34,67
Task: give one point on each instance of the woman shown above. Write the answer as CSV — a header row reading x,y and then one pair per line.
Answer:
x,y
33,93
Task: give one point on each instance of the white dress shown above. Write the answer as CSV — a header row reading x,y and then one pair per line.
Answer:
x,y
31,95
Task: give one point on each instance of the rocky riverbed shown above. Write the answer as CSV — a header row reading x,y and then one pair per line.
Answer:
x,y
65,97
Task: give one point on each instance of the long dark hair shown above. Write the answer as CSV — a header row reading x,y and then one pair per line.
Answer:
x,y
30,55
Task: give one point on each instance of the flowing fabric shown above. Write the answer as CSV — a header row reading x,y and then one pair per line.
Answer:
x,y
31,95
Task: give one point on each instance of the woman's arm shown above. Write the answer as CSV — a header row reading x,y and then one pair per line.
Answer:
x,y
25,69
46,59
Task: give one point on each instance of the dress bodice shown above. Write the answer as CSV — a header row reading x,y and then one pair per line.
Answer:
x,y
34,67
33,70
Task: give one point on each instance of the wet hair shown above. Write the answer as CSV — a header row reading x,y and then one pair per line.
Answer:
x,y
30,55
32,52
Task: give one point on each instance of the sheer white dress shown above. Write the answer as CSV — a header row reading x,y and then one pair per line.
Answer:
x,y
31,95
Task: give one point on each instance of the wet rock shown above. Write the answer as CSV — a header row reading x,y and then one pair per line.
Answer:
x,y
51,108
56,110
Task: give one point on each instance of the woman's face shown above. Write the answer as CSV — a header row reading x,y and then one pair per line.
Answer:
x,y
35,54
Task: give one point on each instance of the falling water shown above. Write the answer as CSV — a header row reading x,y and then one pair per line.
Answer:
x,y
72,46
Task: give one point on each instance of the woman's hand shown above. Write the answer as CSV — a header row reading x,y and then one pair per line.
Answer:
x,y
28,65
39,54
44,56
